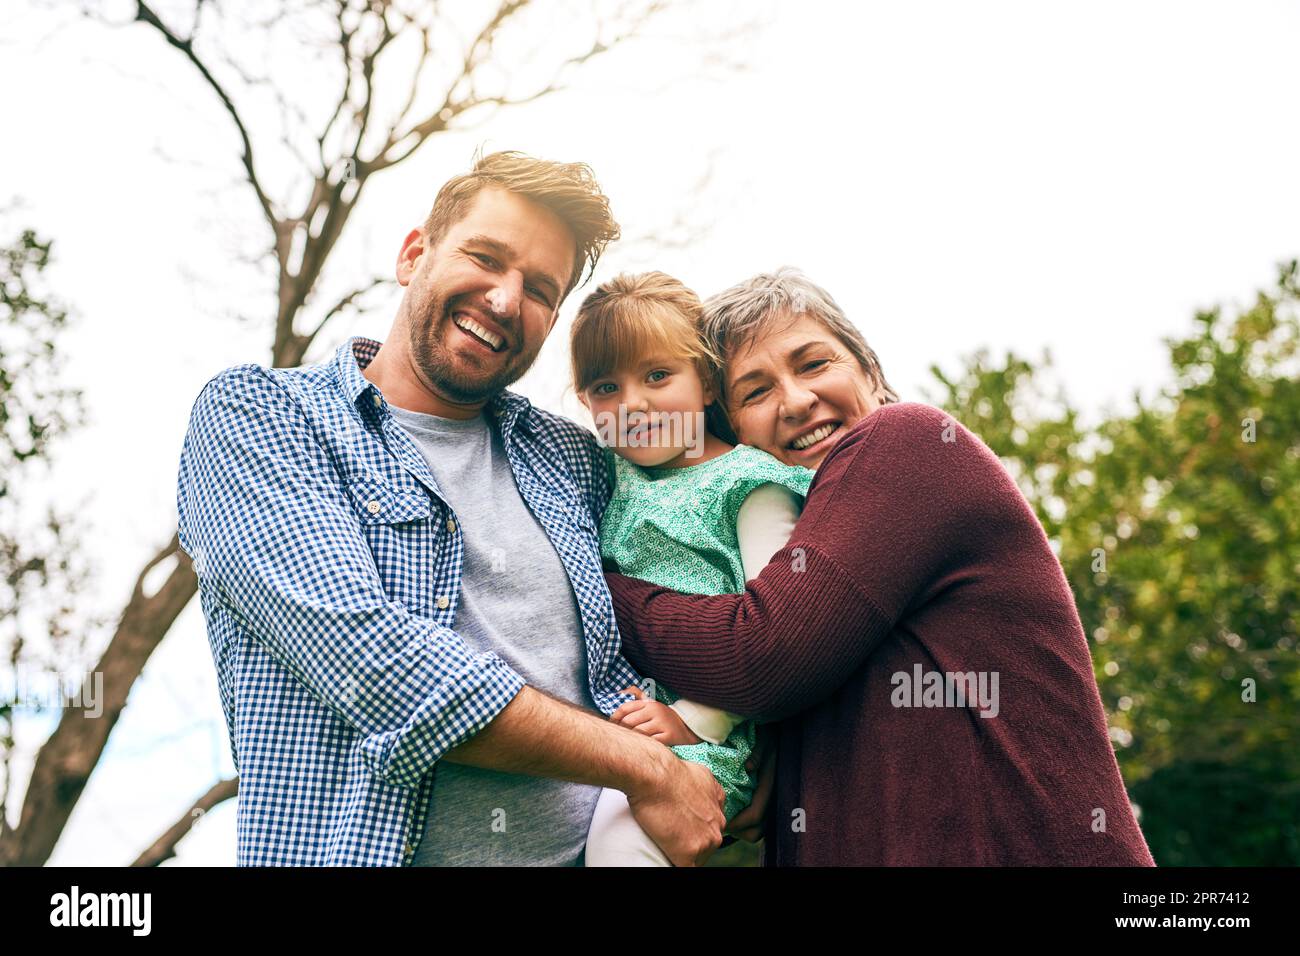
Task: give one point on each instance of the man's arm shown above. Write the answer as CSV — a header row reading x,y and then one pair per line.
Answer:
x,y
678,803
277,543
764,523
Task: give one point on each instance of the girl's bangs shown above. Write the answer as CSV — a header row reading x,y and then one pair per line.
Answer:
x,y
627,339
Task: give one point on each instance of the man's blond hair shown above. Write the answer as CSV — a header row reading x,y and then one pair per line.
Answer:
x,y
569,190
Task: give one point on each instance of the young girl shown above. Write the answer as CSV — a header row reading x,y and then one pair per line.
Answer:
x,y
690,511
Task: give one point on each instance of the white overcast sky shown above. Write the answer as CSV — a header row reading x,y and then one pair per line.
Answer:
x,y
1079,177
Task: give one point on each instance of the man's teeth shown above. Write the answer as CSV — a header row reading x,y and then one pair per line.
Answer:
x,y
469,325
814,437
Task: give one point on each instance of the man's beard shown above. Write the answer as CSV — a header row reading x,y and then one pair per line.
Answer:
x,y
452,376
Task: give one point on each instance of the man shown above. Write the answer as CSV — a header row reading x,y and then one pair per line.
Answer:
x,y
399,566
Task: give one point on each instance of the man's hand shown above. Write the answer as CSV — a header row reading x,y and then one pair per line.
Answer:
x,y
682,813
747,825
657,721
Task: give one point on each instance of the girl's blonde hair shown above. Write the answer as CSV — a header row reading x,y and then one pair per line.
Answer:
x,y
631,317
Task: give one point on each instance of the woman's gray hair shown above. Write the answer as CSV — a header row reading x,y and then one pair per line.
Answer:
x,y
737,316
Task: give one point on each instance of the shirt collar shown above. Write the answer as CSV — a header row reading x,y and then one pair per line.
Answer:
x,y
510,408
352,356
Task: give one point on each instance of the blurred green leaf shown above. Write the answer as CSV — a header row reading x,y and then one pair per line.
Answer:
x,y
1178,526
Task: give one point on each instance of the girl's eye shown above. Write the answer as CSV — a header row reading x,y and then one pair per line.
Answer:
x,y
659,371
599,388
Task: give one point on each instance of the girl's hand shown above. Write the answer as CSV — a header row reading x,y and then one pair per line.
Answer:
x,y
657,721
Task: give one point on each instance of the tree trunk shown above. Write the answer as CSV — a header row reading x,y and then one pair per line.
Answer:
x,y
64,763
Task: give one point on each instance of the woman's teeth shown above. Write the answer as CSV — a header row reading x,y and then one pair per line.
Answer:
x,y
813,437
464,322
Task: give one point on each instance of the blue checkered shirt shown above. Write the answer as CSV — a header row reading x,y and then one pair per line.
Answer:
x,y
329,569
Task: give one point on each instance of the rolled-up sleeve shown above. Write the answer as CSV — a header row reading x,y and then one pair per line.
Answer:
x,y
264,515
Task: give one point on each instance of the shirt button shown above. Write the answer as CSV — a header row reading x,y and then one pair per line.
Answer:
x,y
376,399
443,601
451,525
372,507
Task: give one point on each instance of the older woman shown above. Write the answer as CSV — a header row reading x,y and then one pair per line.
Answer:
x,y
916,638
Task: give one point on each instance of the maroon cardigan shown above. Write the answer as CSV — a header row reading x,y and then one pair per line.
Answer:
x,y
915,553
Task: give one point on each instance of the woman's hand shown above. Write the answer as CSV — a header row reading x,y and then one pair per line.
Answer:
x,y
747,825
657,721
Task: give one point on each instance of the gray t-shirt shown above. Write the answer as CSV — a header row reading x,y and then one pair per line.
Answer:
x,y
516,600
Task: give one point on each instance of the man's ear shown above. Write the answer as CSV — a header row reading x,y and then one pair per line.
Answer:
x,y
412,248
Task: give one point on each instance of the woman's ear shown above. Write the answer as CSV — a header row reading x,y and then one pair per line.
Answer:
x,y
710,396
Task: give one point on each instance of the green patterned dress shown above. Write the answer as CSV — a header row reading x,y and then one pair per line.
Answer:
x,y
676,527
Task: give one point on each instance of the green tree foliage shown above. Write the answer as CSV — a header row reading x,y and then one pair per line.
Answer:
x,y
41,568
1178,526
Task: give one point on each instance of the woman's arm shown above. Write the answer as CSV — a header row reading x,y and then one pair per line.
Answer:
x,y
764,523
796,632
891,505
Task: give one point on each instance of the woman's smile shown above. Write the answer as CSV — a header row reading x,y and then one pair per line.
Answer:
x,y
796,391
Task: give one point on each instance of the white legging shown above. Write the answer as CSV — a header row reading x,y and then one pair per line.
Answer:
x,y
616,839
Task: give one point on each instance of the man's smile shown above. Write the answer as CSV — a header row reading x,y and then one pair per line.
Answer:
x,y
480,333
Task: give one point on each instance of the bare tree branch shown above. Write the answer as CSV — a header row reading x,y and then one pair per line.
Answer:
x,y
350,300
164,848
305,233
64,763
345,48
146,15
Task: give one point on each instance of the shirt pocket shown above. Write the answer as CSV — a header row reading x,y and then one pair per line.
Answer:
x,y
573,512
397,522
570,500
380,502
